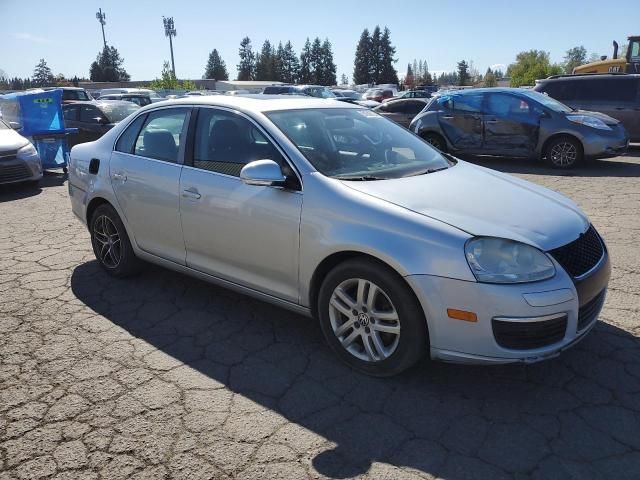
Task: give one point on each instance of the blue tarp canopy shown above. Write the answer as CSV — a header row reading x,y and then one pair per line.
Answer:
x,y
40,113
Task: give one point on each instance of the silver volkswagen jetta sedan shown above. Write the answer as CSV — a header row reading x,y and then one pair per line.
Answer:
x,y
333,211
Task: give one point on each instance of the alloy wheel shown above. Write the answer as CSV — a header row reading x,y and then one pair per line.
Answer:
x,y
107,242
564,154
364,320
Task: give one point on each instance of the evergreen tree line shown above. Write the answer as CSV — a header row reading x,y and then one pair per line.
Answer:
x,y
281,64
42,77
375,58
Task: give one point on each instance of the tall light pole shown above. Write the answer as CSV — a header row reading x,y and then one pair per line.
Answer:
x,y
170,31
102,18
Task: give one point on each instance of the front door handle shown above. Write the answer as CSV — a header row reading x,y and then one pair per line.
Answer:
x,y
191,193
119,176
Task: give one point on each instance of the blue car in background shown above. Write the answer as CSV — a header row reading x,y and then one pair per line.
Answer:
x,y
515,122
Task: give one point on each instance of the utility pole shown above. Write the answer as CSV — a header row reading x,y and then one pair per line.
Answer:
x,y
170,31
102,18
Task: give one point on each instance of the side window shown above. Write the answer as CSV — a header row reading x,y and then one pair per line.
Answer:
x,y
503,105
128,138
225,142
396,107
467,103
560,90
89,114
161,134
414,107
71,113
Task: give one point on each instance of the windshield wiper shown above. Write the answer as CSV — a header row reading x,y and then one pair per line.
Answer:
x,y
361,178
429,170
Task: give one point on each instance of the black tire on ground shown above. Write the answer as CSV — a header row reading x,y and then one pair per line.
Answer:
x,y
65,170
563,152
436,140
413,341
111,244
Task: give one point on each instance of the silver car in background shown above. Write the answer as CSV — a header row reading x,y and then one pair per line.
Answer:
x,y
19,159
333,211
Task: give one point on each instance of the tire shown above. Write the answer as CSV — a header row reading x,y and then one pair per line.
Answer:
x,y
345,320
436,141
111,244
563,152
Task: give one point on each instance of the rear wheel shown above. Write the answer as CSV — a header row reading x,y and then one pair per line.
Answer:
x,y
436,141
371,319
111,244
563,152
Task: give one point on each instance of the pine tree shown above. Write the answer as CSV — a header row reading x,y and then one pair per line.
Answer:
x,y
216,67
247,65
42,75
463,72
278,62
315,61
305,63
290,64
327,67
375,66
344,80
265,62
108,67
388,73
409,78
362,63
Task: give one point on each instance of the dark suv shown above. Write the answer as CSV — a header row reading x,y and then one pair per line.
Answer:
x,y
615,95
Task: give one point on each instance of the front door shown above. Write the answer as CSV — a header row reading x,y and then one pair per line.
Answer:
x,y
245,234
145,174
511,125
460,118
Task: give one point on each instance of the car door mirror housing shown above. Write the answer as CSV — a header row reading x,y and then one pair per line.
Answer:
x,y
266,173
15,125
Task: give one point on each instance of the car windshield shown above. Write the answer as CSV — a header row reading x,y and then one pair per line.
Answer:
x,y
357,144
116,113
547,101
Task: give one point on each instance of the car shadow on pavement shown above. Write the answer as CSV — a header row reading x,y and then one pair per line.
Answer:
x,y
627,166
576,416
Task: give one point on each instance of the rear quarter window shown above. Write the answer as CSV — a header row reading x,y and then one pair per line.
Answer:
x,y
617,89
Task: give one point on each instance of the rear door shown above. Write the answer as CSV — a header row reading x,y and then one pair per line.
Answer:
x,y
460,118
92,123
145,174
511,125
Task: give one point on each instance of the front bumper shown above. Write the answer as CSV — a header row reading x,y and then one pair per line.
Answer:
x,y
18,170
606,144
476,342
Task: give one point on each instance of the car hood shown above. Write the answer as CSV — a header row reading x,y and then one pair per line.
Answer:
x,y
484,202
602,116
11,140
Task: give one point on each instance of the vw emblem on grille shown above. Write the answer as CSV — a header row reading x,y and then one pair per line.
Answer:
x,y
363,318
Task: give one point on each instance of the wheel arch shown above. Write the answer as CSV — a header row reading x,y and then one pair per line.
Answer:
x,y
93,205
545,145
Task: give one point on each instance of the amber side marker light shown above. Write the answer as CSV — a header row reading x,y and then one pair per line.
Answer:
x,y
462,315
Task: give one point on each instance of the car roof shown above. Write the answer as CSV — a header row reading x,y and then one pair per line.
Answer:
x,y
257,102
588,76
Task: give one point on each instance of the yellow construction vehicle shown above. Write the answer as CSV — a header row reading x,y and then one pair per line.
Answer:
x,y
630,64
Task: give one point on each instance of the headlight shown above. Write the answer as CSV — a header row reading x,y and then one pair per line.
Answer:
x,y
27,151
498,260
588,121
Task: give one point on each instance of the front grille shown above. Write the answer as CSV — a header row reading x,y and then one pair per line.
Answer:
x,y
581,255
590,310
8,155
529,335
14,173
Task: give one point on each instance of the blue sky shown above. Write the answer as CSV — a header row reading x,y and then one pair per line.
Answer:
x,y
487,32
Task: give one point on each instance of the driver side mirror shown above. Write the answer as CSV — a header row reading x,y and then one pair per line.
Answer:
x,y
266,173
15,125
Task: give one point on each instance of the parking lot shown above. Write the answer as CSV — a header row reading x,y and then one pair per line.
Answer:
x,y
164,376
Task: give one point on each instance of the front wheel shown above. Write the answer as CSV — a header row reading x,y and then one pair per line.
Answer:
x,y
371,319
111,244
564,152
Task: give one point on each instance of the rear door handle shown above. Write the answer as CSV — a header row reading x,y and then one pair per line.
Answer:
x,y
119,176
191,193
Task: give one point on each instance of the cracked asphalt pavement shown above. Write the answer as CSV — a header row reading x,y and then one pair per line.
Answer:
x,y
164,376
